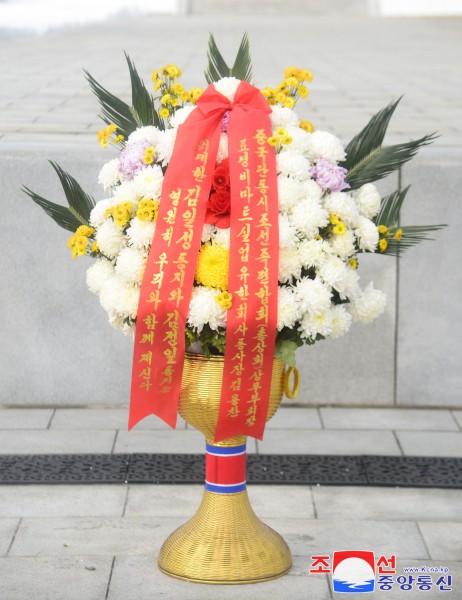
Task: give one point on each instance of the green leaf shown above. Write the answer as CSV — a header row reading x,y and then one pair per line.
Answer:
x,y
143,108
285,349
80,203
113,110
60,214
390,207
411,236
217,67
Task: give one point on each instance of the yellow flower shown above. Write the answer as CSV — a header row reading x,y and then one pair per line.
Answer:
x,y
286,140
164,113
84,230
148,157
399,235
339,228
280,97
334,219
157,84
383,229
267,92
155,75
78,245
273,140
212,266
281,131
225,300
306,126
291,72
303,91
289,102
121,213
119,138
177,88
94,247
305,75
353,263
383,244
166,98
147,210
292,81
195,93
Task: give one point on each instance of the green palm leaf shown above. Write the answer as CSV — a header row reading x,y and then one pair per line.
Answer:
x,y
142,108
411,236
390,207
80,203
60,214
218,68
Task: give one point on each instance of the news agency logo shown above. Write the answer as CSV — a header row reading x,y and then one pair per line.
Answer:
x,y
353,571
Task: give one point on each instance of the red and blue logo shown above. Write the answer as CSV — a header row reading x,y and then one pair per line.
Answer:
x,y
353,571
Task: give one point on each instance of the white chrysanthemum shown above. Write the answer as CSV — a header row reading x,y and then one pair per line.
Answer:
x,y
333,271
367,234
97,275
300,139
351,285
207,232
119,297
293,164
150,133
367,200
289,311
311,190
313,324
287,232
227,86
126,192
313,295
313,252
97,217
341,321
222,237
343,205
130,265
222,148
140,234
344,245
204,309
308,216
290,191
109,176
283,117
181,115
165,144
369,306
148,182
110,238
325,145
289,264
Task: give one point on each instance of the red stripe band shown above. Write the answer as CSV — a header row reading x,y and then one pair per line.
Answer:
x,y
225,469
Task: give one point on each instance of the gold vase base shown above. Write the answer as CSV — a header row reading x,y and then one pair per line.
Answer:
x,y
225,543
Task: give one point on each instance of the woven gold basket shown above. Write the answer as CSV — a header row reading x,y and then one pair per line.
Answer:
x,y
225,542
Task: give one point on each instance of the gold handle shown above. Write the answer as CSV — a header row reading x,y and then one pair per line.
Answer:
x,y
291,393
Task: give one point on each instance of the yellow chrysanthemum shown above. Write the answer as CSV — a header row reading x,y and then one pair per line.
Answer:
x,y
383,229
399,235
383,245
195,93
339,228
334,219
147,210
292,72
164,113
267,92
78,245
306,126
119,138
213,266
281,131
303,91
287,140
353,263
305,75
292,81
273,140
148,157
84,230
288,102
225,300
177,88
94,247
121,213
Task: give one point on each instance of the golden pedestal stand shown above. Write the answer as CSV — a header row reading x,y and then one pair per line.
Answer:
x,y
224,542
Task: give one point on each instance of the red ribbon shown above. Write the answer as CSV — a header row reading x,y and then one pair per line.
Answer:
x,y
253,270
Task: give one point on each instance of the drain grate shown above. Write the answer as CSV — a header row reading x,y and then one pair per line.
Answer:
x,y
298,469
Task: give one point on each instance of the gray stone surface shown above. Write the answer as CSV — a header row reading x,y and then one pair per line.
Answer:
x,y
36,441
54,578
25,418
430,285
7,531
312,441
432,443
105,418
295,418
392,504
184,442
141,573
62,501
458,417
387,418
443,540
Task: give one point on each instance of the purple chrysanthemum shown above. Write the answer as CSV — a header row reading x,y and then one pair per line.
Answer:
x,y
329,175
131,158
224,122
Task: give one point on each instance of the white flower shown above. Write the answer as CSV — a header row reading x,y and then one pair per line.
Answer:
x,y
333,271
344,245
110,238
289,311
222,148
313,252
181,115
341,321
289,264
313,295
97,275
367,234
325,145
368,306
313,324
141,233
98,211
351,285
227,86
130,265
125,192
207,232
311,189
109,176
119,297
367,200
342,205
293,164
222,237
165,144
287,232
204,309
148,182
308,216
150,133
300,139
283,117
290,191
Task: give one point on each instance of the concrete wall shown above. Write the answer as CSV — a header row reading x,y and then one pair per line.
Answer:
x,y
57,348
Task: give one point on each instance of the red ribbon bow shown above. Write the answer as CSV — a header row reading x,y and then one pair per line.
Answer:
x,y
253,269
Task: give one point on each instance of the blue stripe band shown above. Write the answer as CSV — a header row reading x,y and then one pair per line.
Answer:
x,y
225,450
219,489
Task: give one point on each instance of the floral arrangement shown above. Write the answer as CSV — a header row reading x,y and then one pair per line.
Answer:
x,y
330,212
